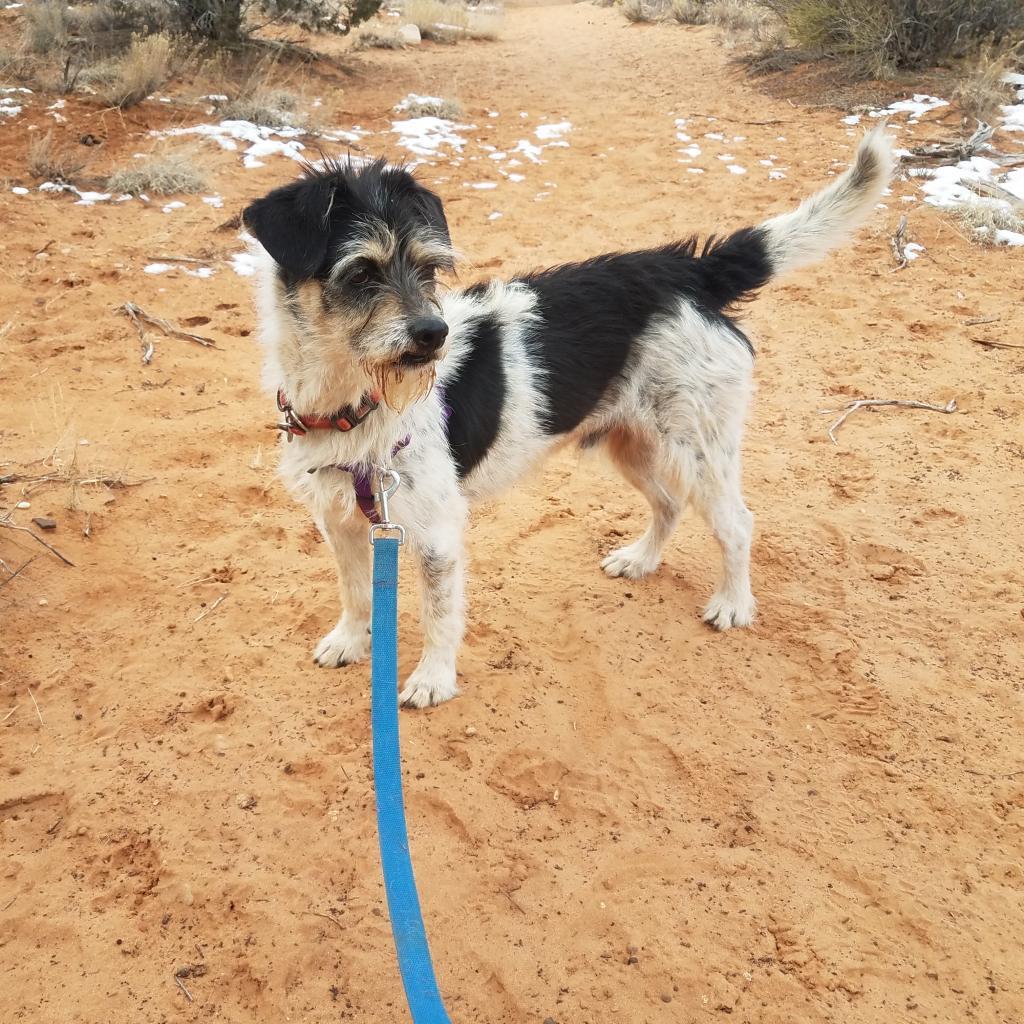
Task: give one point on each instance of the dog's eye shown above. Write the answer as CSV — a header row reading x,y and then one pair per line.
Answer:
x,y
360,277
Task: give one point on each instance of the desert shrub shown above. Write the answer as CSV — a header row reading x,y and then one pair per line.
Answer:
x,y
881,36
984,88
47,26
643,11
169,174
46,159
225,20
145,66
270,107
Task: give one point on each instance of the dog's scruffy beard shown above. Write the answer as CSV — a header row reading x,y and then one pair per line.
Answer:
x,y
401,386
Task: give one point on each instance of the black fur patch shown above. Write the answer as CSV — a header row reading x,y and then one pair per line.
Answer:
x,y
591,313
302,225
476,396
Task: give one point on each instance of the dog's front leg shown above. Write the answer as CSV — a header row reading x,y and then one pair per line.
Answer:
x,y
349,641
441,559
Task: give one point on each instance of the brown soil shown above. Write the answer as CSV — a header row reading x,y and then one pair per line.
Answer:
x,y
625,817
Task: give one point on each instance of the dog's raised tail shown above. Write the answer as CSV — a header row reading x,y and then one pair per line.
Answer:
x,y
827,219
749,258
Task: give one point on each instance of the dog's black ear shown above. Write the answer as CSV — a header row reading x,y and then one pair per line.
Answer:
x,y
293,224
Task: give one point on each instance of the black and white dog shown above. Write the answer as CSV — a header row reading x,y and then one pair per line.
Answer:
x,y
634,353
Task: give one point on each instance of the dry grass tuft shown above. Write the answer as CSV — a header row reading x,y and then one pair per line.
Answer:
x,y
431,106
166,175
642,11
983,220
447,22
145,66
272,108
46,159
983,90
374,39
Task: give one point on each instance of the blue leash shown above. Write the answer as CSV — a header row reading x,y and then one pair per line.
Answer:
x,y
403,904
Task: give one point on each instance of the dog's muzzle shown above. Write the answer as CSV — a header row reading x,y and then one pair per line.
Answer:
x,y
428,335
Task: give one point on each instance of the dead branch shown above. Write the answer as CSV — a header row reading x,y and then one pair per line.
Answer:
x,y
981,320
898,243
8,525
213,607
867,403
961,149
139,317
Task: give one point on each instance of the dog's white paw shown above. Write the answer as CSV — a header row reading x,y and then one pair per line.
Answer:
x,y
347,643
724,612
633,561
429,685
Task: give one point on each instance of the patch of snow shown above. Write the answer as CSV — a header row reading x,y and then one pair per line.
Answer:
x,y
244,264
695,170
916,107
498,155
851,119
736,169
717,136
529,150
553,131
424,136
517,177
1004,237
157,268
726,157
912,250
683,137
19,191
203,272
484,184
175,204
88,198
495,215
415,98
215,201
691,151
262,141
775,175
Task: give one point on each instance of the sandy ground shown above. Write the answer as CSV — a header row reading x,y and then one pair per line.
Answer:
x,y
625,817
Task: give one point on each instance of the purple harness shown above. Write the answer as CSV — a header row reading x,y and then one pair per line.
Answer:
x,y
360,472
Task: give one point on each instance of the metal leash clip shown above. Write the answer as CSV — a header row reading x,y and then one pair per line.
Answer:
x,y
390,481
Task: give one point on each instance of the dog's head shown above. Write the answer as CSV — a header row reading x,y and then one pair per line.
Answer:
x,y
357,250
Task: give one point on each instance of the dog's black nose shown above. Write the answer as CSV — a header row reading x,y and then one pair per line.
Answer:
x,y
428,332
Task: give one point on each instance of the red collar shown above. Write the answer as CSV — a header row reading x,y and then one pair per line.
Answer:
x,y
345,419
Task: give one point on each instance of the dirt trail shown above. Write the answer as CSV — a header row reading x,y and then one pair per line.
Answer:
x,y
625,817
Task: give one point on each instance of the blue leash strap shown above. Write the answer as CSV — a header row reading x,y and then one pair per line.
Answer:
x,y
399,883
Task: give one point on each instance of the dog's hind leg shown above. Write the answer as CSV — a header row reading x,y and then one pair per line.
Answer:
x,y
349,641
719,499
653,470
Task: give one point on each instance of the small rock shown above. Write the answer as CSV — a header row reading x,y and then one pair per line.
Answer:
x,y
245,801
666,998
550,1020
23,504
632,960
45,523
190,971
470,730
410,35
43,602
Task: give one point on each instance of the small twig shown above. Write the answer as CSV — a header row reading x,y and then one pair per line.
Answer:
x,y
35,705
181,985
53,828
995,344
985,320
203,614
898,243
17,572
866,403
326,917
24,529
185,259
9,713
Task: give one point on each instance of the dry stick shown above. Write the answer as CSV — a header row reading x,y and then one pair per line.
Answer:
x,y
24,529
898,242
35,705
202,615
9,713
864,403
976,323
326,917
181,985
139,316
995,344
